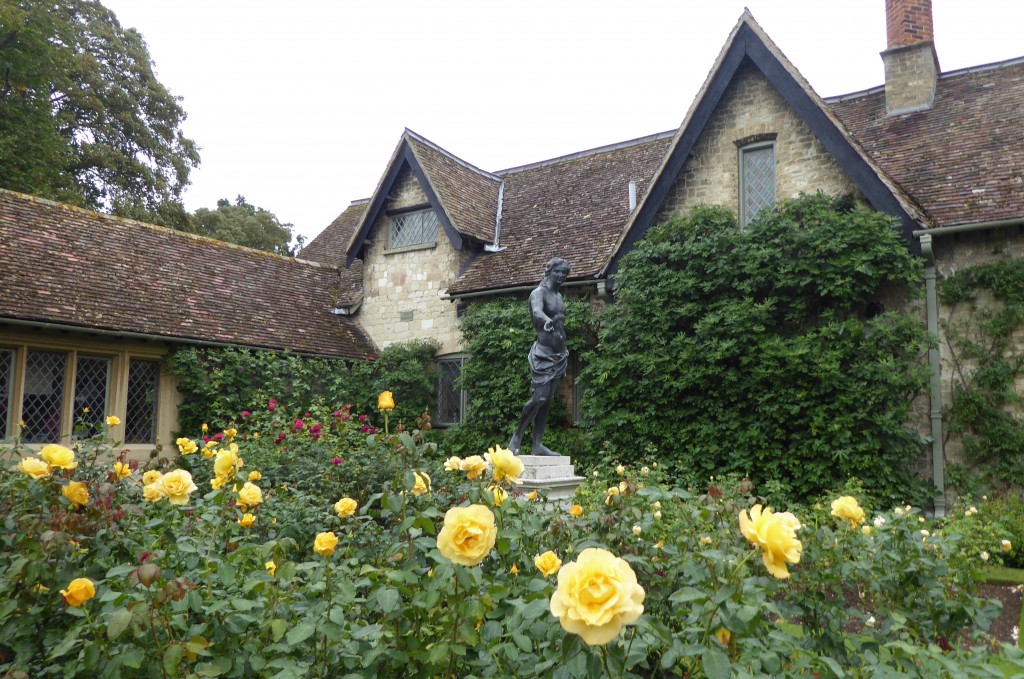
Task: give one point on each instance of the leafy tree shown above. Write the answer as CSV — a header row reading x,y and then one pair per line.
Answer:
x,y
763,351
245,224
82,116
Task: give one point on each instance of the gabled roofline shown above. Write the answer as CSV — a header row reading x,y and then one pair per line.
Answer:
x,y
403,157
748,43
589,152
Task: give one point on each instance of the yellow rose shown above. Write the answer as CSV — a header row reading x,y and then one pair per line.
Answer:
x,y
422,483
597,594
78,592
345,507
113,421
547,563
34,467
775,535
386,401
177,486
230,434
847,508
612,492
271,567
474,466
227,463
77,492
499,495
153,492
246,520
325,543
576,510
186,446
468,534
255,476
217,482
506,465
620,470
250,495
1005,545
205,427
58,456
532,497
122,470
453,464
514,570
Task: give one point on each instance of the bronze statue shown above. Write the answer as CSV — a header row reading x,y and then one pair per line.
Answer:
x,y
549,356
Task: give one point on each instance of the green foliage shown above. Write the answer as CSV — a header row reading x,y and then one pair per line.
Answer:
x,y
986,406
755,351
217,384
497,336
245,224
85,119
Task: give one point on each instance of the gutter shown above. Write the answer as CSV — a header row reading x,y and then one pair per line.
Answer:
x,y
600,283
934,357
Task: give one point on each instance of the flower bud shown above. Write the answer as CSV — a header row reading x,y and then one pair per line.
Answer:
x,y
148,573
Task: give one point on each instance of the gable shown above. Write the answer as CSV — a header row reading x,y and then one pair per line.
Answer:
x,y
752,109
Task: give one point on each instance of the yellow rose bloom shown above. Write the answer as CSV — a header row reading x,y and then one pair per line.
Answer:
x,y
186,446
230,434
612,492
78,592
177,486
499,495
205,427
77,492
775,536
847,508
113,421
122,470
271,567
246,520
217,482
153,492
227,463
34,467
514,570
152,476
422,483
506,465
255,476
453,464
250,495
474,466
1005,545
468,534
576,510
597,594
345,507
547,563
620,470
386,401
325,543
532,497
58,456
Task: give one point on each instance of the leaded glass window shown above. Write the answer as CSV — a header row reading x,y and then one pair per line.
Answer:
x,y
451,399
6,380
412,228
757,180
92,390
140,415
43,403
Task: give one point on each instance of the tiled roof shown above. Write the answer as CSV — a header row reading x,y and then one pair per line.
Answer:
x,y
329,248
469,196
87,270
573,208
962,159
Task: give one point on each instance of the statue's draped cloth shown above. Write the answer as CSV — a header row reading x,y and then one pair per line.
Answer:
x,y
547,365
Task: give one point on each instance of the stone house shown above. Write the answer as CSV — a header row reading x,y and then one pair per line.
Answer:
x,y
941,152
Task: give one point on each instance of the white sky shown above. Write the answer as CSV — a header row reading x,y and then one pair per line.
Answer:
x,y
298,105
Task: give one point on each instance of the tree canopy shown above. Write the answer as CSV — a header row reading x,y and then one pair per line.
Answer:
x,y
245,224
83,118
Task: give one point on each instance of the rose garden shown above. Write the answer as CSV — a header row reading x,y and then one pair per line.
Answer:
x,y
301,527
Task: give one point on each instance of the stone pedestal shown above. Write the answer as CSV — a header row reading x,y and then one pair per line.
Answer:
x,y
551,476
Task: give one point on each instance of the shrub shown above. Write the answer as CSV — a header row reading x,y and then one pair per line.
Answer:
x,y
762,351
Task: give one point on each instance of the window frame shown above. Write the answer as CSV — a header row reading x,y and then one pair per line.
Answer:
x,y
392,223
8,355
463,396
744,149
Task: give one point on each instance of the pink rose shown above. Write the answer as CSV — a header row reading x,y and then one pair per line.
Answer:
x,y
218,436
246,413
298,424
363,418
280,437
336,460
271,405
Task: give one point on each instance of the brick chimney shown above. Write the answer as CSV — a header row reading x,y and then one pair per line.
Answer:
x,y
911,65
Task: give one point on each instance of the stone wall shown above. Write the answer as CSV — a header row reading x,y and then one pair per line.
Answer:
x,y
403,288
750,107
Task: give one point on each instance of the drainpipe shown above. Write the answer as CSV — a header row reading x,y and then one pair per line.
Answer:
x,y
932,309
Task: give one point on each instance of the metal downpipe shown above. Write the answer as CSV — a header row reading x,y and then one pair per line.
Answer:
x,y
934,361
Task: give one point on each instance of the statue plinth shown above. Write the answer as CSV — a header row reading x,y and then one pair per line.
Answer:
x,y
553,476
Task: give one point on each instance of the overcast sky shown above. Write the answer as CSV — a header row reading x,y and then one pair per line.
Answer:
x,y
298,104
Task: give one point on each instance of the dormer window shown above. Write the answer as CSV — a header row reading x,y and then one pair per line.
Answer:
x,y
412,228
757,179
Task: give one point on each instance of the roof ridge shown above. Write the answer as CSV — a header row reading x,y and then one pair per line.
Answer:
x,y
469,166
589,152
127,221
